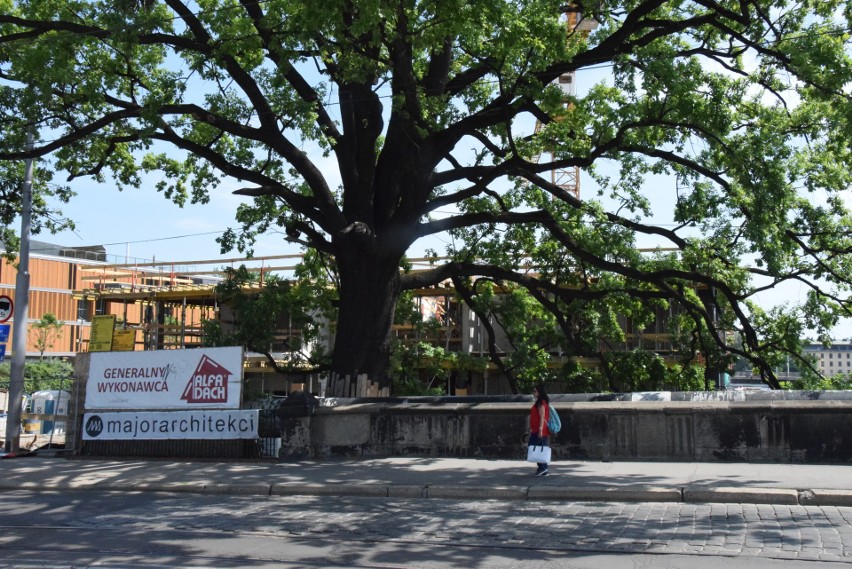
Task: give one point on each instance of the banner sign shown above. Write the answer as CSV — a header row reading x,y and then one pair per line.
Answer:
x,y
170,425
197,378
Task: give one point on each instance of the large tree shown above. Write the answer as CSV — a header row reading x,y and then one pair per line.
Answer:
x,y
44,215
444,116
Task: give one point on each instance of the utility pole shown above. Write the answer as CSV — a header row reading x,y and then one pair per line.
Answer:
x,y
22,293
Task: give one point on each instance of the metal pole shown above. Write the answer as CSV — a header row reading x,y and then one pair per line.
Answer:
x,y
55,411
22,291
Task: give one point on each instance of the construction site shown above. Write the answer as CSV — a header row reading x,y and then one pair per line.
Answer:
x,y
163,305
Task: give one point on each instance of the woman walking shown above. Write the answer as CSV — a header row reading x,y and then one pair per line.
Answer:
x,y
539,414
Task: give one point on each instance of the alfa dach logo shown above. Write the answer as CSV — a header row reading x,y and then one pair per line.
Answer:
x,y
208,384
94,426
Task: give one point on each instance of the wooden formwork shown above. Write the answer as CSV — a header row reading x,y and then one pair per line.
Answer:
x,y
359,386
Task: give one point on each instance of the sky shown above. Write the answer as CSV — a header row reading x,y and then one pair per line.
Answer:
x,y
140,224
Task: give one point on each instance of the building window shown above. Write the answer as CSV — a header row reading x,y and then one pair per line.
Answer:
x,y
84,310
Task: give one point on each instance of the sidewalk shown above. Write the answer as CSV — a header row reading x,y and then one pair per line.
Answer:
x,y
453,478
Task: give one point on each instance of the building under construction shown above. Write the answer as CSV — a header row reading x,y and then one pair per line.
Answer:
x,y
162,305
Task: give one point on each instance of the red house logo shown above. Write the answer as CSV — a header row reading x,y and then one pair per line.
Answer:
x,y
208,384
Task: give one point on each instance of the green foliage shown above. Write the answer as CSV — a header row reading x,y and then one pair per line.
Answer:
x,y
641,370
44,215
574,378
172,322
49,374
637,370
533,333
720,134
407,385
423,369
262,314
812,383
45,331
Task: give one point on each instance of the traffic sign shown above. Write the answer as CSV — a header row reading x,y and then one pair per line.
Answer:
x,y
2,352
4,333
6,308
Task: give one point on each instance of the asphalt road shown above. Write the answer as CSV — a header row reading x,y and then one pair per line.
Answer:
x,y
130,530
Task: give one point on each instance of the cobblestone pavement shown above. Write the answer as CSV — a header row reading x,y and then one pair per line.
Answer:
x,y
778,532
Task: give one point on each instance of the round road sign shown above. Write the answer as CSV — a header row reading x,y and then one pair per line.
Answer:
x,y
6,308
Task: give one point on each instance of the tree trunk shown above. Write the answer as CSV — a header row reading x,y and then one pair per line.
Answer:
x,y
369,289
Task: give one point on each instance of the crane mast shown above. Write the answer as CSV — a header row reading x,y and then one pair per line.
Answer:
x,y
568,179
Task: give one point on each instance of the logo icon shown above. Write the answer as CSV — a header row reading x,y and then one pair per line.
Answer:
x,y
208,383
94,426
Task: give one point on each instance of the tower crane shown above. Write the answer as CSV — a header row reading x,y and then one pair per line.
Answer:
x,y
568,179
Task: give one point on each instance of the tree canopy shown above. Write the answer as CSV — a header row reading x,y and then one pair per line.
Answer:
x,y
362,127
50,374
44,215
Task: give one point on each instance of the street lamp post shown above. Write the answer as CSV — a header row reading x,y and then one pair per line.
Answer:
x,y
22,292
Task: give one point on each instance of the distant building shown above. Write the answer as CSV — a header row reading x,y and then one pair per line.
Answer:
x,y
55,272
69,282
832,361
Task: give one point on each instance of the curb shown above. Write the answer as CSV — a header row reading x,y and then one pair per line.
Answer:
x,y
823,497
605,494
362,490
776,496
685,495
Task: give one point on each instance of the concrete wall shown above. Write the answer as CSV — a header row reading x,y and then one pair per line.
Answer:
x,y
781,426
798,431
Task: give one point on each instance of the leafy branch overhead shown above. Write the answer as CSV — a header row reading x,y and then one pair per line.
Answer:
x,y
714,130
275,318
44,216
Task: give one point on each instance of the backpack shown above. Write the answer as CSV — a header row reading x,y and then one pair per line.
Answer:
x,y
554,423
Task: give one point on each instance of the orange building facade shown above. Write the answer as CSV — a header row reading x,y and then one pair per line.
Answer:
x,y
70,284
53,280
